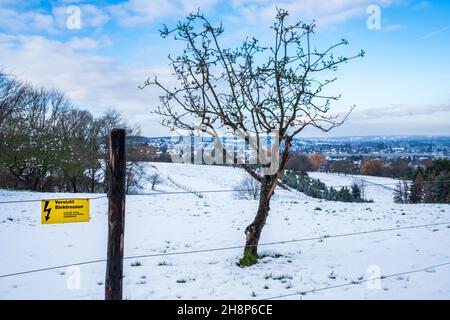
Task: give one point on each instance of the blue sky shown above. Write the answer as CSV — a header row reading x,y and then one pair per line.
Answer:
x,y
402,86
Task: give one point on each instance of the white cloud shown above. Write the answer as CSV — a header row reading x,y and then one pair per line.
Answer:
x,y
91,16
97,83
94,16
70,2
399,119
137,12
17,21
42,22
392,27
325,12
134,13
401,110
85,43
194,5
91,81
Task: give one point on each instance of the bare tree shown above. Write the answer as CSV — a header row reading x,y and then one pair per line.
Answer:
x,y
299,162
252,89
47,144
11,94
248,189
110,120
155,179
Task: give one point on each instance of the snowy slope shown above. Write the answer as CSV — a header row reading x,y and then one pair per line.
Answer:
x,y
160,224
379,189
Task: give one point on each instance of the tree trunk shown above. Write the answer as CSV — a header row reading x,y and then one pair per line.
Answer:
x,y
253,231
74,184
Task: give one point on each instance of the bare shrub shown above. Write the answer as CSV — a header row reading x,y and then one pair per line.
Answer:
x,y
247,189
155,179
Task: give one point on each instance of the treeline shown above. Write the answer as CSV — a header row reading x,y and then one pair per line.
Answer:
x,y
146,152
388,167
401,167
47,144
429,185
301,162
317,189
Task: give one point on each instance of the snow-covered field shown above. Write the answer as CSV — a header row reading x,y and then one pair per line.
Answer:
x,y
379,189
161,224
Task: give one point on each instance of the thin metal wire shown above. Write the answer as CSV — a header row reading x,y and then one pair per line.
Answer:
x,y
184,192
225,248
39,200
290,241
355,282
205,191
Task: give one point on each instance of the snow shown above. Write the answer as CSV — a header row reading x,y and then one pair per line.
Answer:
x,y
379,189
159,224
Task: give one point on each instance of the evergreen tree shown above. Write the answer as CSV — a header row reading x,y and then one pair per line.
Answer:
x,y
317,189
427,188
345,195
431,185
356,192
416,189
405,192
333,194
441,188
398,193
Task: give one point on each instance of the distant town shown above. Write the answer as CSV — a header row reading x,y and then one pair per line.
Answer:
x,y
342,147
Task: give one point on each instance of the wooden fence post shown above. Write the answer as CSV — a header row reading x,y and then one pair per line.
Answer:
x,y
116,215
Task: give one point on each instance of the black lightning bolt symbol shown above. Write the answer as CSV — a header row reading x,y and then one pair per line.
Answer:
x,y
47,210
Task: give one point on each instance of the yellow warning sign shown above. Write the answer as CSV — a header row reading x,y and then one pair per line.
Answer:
x,y
65,211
